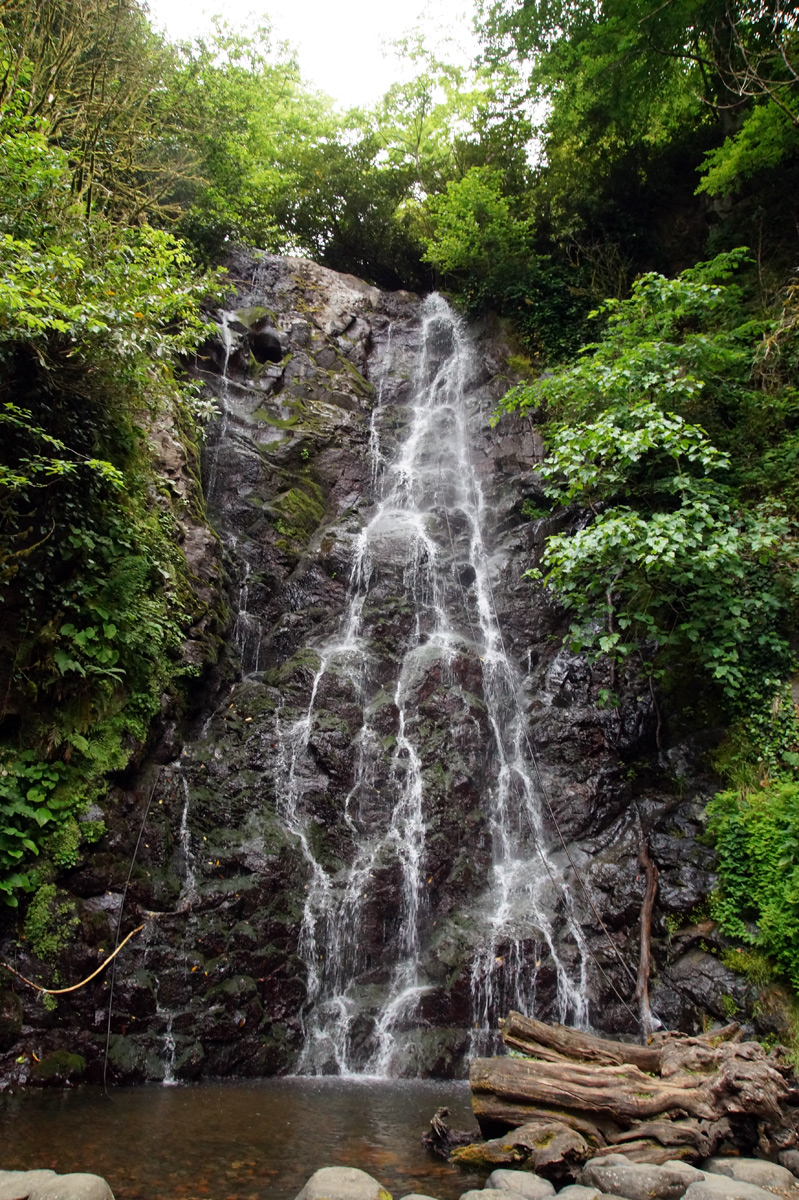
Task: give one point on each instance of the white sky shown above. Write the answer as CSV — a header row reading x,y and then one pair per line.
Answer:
x,y
338,41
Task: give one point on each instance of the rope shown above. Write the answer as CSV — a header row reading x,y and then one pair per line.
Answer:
x,y
119,928
75,986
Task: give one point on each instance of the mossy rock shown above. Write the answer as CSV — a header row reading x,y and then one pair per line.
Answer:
x,y
298,511
255,312
59,1068
268,418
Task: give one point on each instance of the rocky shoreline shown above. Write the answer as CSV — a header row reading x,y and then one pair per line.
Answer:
x,y
613,1177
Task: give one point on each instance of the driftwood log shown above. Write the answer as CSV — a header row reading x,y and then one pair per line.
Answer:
x,y
678,1097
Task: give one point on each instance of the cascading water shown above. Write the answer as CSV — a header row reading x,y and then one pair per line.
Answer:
x,y
349,863
226,335
426,525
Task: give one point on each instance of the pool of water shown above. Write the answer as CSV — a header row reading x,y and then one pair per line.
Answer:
x,y
237,1141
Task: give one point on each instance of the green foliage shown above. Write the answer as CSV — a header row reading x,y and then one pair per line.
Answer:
x,y
757,841
486,247
633,104
671,566
93,79
763,742
766,139
251,124
96,598
50,922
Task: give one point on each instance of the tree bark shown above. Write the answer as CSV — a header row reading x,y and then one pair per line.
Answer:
x,y
679,1096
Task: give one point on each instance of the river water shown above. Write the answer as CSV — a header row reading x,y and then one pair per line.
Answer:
x,y
237,1141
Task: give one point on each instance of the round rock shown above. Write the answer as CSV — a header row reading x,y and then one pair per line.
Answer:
x,y
343,1183
78,1186
17,1185
524,1183
750,1170
639,1181
722,1187
576,1191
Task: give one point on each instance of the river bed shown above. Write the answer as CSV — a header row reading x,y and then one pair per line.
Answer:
x,y
237,1141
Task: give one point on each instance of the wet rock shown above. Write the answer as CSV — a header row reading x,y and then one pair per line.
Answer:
x,y
10,1018
639,1181
523,1183
704,981
249,822
551,1148
342,1183
59,1068
750,1170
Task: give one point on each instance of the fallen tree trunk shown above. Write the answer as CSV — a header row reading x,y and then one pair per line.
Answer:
x,y
678,1097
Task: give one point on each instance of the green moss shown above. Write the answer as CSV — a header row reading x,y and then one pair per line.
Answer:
x,y
362,385
248,316
50,922
261,414
59,1066
300,510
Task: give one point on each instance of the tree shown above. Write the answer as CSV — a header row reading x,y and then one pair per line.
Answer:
x,y
92,77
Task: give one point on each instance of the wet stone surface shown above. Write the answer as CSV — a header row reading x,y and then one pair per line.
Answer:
x,y
351,860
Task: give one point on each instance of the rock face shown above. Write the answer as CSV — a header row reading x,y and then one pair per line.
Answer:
x,y
354,858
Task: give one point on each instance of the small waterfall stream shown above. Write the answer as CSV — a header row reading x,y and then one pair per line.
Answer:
x,y
428,521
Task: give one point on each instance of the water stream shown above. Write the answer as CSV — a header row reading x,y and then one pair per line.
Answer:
x,y
429,516
237,1141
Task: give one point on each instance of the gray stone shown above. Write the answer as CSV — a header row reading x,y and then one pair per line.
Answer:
x,y
17,1185
524,1183
750,1170
417,1196
343,1183
716,1187
639,1181
576,1191
77,1186
790,1159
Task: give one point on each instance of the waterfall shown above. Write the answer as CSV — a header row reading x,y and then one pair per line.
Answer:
x,y
228,342
427,532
